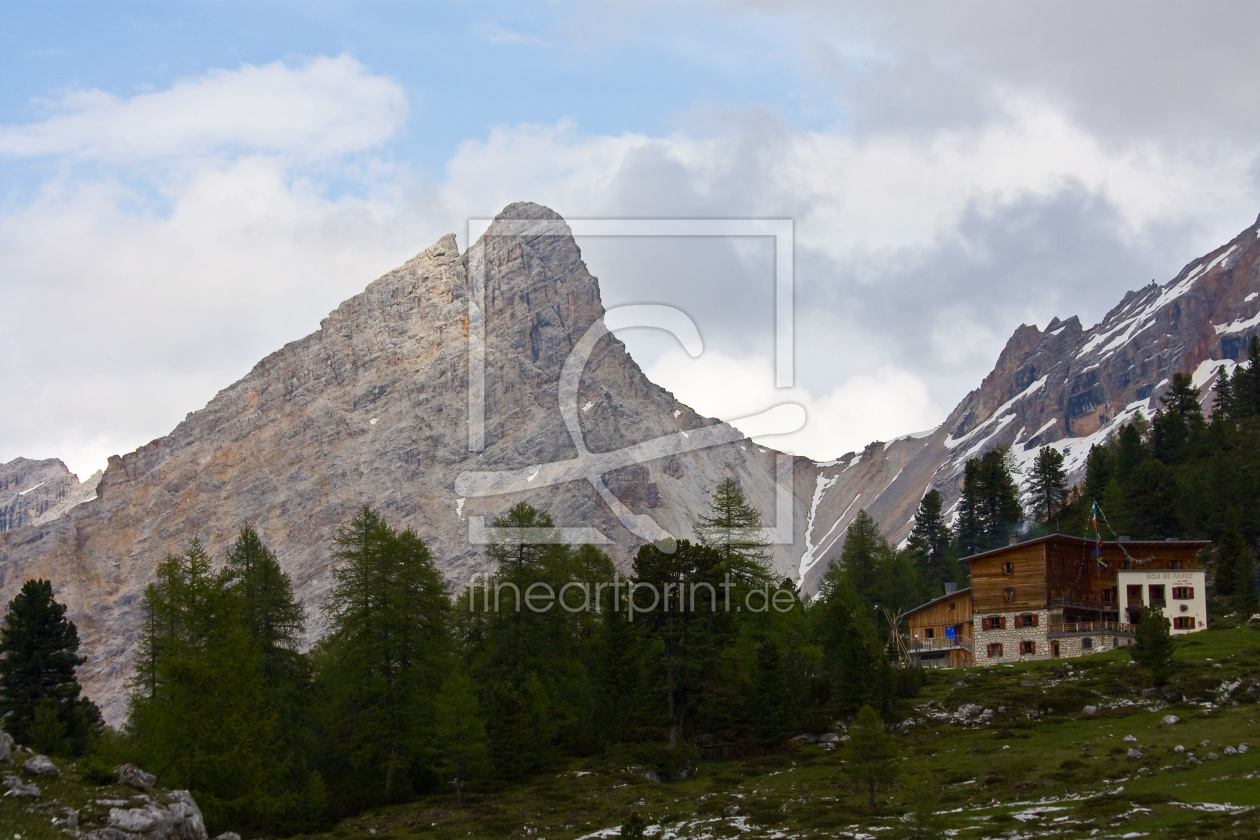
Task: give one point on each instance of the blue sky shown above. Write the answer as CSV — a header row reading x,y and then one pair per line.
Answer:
x,y
186,186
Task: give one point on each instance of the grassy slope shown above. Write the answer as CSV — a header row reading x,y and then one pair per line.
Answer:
x,y
32,819
1039,769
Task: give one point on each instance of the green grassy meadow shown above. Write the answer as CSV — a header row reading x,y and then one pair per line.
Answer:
x,y
1038,768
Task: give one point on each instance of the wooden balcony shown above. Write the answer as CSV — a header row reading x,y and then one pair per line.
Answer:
x,y
926,645
1081,604
1081,628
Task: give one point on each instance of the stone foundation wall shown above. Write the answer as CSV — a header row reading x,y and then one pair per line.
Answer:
x,y
1011,637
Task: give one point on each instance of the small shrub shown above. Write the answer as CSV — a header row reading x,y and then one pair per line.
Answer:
x,y
97,772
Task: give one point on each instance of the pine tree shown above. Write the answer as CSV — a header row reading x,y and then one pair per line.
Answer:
x,y
460,734
871,753
40,697
855,661
1099,470
1246,382
860,555
930,540
1223,396
1153,645
733,527
1048,483
969,528
1130,448
1000,506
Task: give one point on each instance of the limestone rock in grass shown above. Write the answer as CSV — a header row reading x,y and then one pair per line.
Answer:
x,y
1090,711
178,818
1171,719
1131,739
829,739
1242,749
1212,756
108,834
133,777
1135,753
4,747
731,810
1231,751
41,765
228,835
19,789
1179,749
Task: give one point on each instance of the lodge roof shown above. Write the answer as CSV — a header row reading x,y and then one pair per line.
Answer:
x,y
1084,541
944,597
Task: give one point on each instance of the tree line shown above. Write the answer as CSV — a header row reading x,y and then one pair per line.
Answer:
x,y
416,689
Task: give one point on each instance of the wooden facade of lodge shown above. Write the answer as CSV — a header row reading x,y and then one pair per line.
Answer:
x,y
1049,598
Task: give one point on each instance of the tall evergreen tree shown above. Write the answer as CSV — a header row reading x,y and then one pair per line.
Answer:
x,y
1246,383
1153,645
1223,396
1099,470
1048,484
40,699
733,527
871,753
930,541
380,666
861,554
460,734
201,713
856,664
969,528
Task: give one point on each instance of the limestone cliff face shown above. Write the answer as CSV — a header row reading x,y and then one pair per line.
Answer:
x,y
373,408
1066,386
33,492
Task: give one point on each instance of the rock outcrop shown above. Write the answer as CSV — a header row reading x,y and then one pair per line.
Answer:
x,y
34,492
374,408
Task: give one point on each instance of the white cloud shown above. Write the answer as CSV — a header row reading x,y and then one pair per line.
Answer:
x,y
318,108
867,406
124,312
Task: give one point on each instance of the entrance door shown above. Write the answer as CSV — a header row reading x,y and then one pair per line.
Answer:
x,y
1054,649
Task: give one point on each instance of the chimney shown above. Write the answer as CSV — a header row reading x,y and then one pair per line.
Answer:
x,y
951,588
1013,537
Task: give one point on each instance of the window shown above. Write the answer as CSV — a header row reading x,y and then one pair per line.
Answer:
x,y
997,622
1087,643
1009,594
1157,594
1027,648
1028,620
1183,622
951,606
1183,593
1008,568
1134,593
930,633
995,651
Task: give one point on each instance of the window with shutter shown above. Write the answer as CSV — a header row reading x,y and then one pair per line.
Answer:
x,y
1035,618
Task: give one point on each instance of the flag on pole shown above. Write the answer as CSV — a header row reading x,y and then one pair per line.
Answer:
x,y
1093,518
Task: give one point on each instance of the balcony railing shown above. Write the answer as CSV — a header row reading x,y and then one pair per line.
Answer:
x,y
1090,627
919,645
1081,604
